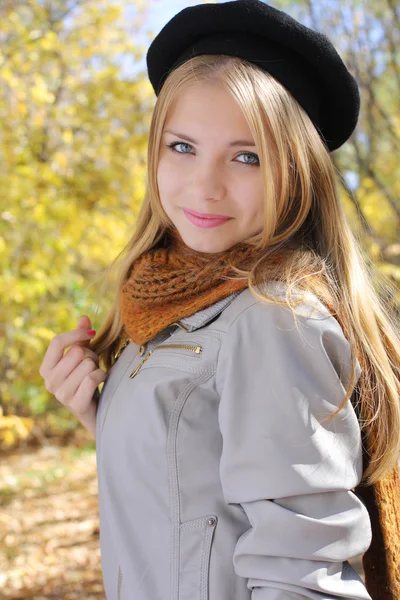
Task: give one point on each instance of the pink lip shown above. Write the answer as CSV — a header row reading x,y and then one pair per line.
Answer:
x,y
202,222
205,215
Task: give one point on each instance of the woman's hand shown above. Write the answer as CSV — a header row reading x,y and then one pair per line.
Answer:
x,y
73,377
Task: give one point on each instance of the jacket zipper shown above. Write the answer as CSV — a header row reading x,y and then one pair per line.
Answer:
x,y
119,583
196,349
128,341
141,349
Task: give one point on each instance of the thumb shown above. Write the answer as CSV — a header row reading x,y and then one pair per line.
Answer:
x,y
84,322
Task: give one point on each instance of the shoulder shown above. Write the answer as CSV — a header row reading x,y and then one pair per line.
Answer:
x,y
305,335
304,309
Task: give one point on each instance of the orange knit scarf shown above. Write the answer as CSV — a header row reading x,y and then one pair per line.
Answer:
x,y
169,283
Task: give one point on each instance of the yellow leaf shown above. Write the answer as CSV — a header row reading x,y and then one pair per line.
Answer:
x,y
40,93
43,332
22,109
49,41
18,322
8,437
67,136
61,159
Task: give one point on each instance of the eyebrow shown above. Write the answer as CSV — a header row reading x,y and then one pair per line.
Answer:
x,y
235,143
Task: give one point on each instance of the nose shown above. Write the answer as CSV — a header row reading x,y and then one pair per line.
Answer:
x,y
209,180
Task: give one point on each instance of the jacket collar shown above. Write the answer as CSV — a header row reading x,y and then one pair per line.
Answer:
x,y
202,317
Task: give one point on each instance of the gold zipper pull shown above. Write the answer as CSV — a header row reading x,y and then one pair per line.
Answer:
x,y
119,352
136,370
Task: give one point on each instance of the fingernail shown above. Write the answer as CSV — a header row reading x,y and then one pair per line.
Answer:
x,y
91,332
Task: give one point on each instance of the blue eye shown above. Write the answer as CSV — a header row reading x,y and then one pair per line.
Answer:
x,y
173,146
251,164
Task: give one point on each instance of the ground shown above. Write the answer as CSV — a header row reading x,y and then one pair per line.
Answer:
x,y
49,527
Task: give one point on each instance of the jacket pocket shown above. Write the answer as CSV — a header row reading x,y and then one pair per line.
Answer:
x,y
196,538
190,349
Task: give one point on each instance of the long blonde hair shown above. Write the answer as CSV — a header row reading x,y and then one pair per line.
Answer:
x,y
302,203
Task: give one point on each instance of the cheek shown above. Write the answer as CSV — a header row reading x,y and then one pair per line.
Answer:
x,y
250,191
167,179
249,198
164,180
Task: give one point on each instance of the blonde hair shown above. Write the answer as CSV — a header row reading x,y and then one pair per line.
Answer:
x,y
301,203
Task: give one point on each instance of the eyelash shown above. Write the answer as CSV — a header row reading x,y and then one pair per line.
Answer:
x,y
173,144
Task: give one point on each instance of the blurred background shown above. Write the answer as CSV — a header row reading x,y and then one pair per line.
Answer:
x,y
75,108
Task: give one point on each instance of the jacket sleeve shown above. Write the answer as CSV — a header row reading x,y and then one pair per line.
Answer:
x,y
277,378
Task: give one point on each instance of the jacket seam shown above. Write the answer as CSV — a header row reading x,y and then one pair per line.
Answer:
x,y
173,478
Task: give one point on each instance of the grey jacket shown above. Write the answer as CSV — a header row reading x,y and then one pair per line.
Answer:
x,y
216,479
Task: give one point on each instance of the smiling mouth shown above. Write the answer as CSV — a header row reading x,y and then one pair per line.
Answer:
x,y
205,215
205,223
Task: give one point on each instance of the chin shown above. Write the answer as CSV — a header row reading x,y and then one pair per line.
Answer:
x,y
209,246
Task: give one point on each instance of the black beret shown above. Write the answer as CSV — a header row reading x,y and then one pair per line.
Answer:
x,y
303,60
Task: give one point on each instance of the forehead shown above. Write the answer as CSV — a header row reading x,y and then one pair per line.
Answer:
x,y
205,104
200,92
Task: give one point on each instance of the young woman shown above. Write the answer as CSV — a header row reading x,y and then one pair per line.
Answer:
x,y
251,370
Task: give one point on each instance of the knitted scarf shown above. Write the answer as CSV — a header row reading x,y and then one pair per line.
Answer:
x,y
173,282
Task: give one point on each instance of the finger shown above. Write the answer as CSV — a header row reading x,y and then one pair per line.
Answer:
x,y
89,385
68,365
58,344
66,390
77,356
84,322
77,391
